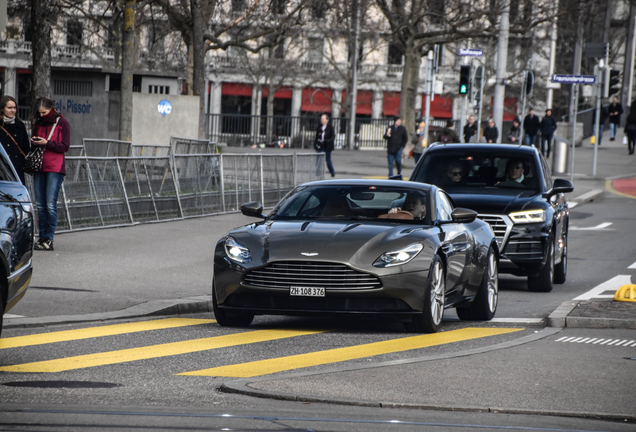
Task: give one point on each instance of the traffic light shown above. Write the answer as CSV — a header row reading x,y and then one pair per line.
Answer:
x,y
529,82
464,79
610,84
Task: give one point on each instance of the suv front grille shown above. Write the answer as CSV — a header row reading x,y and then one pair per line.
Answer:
x,y
500,225
524,249
311,274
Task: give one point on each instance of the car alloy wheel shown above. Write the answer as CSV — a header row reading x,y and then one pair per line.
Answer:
x,y
229,319
561,269
484,306
492,274
544,280
437,295
430,320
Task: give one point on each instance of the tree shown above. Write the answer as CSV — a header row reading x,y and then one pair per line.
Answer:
x,y
41,13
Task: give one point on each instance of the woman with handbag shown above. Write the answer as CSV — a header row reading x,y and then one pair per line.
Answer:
x,y
13,135
52,133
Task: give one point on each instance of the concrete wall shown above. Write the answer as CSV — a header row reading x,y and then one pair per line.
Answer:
x,y
149,126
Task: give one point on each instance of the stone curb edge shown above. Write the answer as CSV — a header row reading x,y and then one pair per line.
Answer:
x,y
243,386
561,318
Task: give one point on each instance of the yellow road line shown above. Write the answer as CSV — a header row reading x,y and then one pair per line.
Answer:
x,y
265,367
154,351
93,332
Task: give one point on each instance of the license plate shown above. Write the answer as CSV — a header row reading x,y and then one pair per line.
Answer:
x,y
307,291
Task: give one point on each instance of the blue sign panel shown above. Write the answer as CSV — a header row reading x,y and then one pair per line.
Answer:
x,y
470,52
164,107
573,79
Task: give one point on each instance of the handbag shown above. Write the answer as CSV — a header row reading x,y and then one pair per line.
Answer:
x,y
318,145
33,159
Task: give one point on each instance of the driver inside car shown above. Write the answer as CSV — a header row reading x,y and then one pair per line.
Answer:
x,y
414,204
515,171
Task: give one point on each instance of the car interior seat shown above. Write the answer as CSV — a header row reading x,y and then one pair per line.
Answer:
x,y
336,206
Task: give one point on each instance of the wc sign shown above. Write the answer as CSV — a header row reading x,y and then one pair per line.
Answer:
x,y
164,107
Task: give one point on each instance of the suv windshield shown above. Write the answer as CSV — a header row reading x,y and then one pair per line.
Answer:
x,y
479,169
355,203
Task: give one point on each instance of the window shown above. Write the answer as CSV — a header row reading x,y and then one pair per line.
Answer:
x,y
315,50
73,88
279,6
444,207
156,39
395,54
158,89
437,11
74,32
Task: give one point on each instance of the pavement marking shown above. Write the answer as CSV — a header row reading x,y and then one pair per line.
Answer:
x,y
611,285
633,266
598,227
594,341
280,364
155,351
9,316
94,332
518,320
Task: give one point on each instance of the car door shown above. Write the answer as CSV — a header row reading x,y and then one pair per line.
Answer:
x,y
456,244
559,211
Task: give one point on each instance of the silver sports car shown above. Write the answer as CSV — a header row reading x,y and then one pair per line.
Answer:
x,y
382,247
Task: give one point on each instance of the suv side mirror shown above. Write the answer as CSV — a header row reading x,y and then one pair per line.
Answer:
x,y
560,186
254,209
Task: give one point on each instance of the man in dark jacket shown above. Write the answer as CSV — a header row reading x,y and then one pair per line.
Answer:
x,y
531,127
615,110
396,137
470,129
547,126
325,137
491,133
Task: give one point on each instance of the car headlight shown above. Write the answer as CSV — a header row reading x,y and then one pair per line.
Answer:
x,y
398,257
236,251
530,216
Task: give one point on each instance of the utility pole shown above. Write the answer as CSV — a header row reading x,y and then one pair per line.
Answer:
x,y
502,58
428,90
576,64
354,72
553,41
628,68
128,52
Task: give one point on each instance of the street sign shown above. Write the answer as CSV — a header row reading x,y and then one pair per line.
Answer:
x,y
470,52
164,107
573,79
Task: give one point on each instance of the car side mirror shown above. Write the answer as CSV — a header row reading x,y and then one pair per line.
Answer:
x,y
463,215
560,186
253,209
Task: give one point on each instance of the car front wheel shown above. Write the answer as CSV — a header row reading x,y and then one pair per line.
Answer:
x,y
229,319
544,280
430,320
484,306
561,269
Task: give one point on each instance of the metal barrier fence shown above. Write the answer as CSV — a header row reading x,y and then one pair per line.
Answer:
x,y
115,148
118,191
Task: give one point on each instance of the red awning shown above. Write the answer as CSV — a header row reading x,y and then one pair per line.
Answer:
x,y
391,104
510,108
441,107
281,93
236,89
316,100
24,71
364,101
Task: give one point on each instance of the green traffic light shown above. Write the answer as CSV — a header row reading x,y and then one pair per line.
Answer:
x,y
462,89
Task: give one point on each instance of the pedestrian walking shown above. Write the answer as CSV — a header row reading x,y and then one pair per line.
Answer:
x,y
53,132
615,109
514,134
491,133
630,128
602,120
396,137
470,129
325,138
531,127
419,142
548,126
13,135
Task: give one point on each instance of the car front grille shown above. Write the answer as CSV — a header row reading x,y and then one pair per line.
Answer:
x,y
311,274
524,249
500,226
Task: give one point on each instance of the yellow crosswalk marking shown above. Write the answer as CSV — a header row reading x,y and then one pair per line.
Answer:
x,y
265,367
93,332
154,351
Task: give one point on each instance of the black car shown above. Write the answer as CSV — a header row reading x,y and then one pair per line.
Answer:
x,y
375,247
512,189
16,236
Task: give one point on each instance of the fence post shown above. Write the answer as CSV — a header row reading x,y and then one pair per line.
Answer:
x,y
175,180
68,215
123,188
222,181
262,180
91,183
295,165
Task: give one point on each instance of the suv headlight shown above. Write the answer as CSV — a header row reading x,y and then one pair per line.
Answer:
x,y
236,251
529,216
398,257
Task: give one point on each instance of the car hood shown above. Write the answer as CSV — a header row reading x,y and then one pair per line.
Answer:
x,y
341,241
497,200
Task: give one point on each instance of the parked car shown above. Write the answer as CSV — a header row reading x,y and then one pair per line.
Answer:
x,y
512,189
16,236
377,247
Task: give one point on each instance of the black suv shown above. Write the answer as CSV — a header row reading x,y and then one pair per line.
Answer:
x,y
16,236
511,188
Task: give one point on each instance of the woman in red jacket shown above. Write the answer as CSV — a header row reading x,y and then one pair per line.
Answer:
x,y
51,131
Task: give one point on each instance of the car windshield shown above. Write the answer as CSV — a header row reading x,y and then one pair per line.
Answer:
x,y
479,169
382,203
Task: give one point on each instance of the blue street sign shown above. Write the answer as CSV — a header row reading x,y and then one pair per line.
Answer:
x,y
164,107
573,79
470,52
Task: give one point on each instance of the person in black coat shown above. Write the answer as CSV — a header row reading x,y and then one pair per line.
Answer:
x,y
491,133
13,135
615,109
531,127
396,137
325,138
630,128
548,126
470,129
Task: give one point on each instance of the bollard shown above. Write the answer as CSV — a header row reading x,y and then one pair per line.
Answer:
x,y
560,155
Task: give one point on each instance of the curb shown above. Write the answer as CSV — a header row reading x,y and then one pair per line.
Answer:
x,y
560,318
188,305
